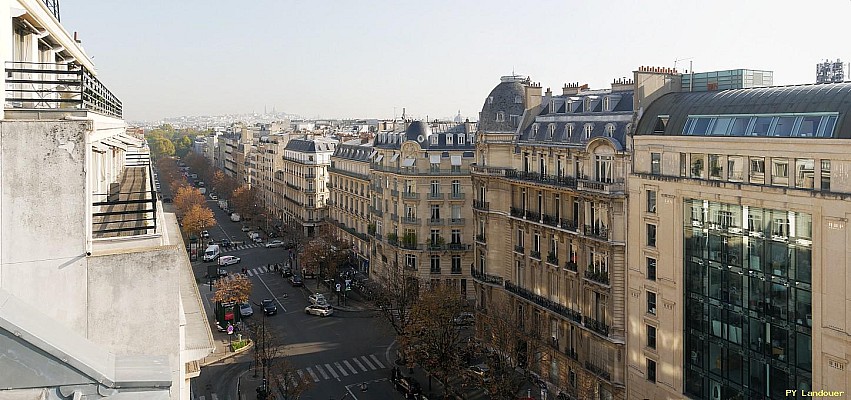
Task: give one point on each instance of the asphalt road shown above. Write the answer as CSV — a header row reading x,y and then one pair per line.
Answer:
x,y
335,354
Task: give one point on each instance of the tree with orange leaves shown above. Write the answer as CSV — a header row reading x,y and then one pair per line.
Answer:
x,y
186,198
236,289
244,201
198,218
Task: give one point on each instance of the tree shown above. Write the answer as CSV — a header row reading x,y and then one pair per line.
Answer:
x,y
325,253
395,297
236,289
244,201
222,183
186,198
160,147
271,357
433,340
197,219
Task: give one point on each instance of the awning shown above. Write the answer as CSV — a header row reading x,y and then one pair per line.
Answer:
x,y
456,160
408,162
374,152
434,158
127,140
379,158
394,158
114,143
99,148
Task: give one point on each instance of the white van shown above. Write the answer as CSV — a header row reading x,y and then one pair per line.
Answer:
x,y
234,217
213,252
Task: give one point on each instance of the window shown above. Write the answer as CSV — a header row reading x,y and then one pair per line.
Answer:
x,y
535,130
500,116
603,168
435,264
651,268
760,126
683,164
651,201
651,235
610,129
456,212
606,104
460,139
716,170
435,187
589,128
735,168
757,170
651,302
780,171
719,128
825,175
805,173
551,130
456,236
411,261
661,123
435,211
697,165
456,188
783,126
520,237
456,264
656,163
490,99
518,100
651,370
536,243
568,129
651,337
449,138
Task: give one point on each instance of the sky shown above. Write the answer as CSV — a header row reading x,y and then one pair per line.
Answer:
x,y
370,59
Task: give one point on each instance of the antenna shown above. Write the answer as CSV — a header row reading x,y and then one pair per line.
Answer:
x,y
681,59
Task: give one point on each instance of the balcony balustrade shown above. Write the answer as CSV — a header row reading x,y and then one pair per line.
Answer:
x,y
482,277
601,277
481,238
552,258
456,196
535,254
492,171
571,266
568,224
456,221
436,221
533,216
542,301
517,212
600,187
595,325
572,354
436,196
564,181
520,249
481,205
599,371
549,220
458,246
410,220
597,231
309,176
410,195
394,192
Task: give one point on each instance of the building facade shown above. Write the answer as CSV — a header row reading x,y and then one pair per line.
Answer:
x,y
421,199
89,259
349,201
739,244
305,176
550,217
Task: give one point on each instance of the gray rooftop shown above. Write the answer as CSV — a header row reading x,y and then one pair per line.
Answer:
x,y
311,145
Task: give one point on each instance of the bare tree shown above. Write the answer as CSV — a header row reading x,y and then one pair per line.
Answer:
x,y
395,296
270,356
325,253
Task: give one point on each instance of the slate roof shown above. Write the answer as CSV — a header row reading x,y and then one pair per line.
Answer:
x,y
424,134
354,150
317,145
831,97
503,98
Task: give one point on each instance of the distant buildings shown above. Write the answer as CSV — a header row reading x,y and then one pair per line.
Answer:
x,y
350,207
305,175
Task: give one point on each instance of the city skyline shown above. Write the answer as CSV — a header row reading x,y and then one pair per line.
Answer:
x,y
371,60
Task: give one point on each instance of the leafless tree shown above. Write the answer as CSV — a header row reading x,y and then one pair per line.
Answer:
x,y
270,357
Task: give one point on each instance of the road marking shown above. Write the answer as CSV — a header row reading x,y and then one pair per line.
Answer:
x,y
359,364
349,366
369,364
331,370
223,231
340,367
272,294
263,270
301,376
202,398
312,374
374,358
214,396
321,371
251,272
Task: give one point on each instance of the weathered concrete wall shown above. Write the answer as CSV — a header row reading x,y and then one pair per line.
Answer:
x,y
42,216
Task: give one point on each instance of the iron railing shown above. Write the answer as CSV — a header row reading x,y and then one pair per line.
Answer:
x,y
481,205
127,213
32,85
542,301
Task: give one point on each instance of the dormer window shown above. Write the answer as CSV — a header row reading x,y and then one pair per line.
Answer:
x,y
490,99
551,130
448,139
568,129
535,130
569,107
606,104
589,128
553,106
461,139
518,100
433,139
610,130
500,116
587,104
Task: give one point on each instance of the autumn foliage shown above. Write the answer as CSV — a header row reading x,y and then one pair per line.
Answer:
x,y
236,289
198,218
186,198
244,201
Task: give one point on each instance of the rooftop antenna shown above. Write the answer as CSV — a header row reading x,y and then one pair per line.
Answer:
x,y
682,59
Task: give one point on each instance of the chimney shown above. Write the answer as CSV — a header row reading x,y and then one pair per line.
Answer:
x,y
532,92
548,97
583,87
570,89
622,84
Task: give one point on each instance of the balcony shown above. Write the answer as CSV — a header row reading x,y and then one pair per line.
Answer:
x,y
436,196
595,325
62,87
571,266
533,216
552,258
519,249
482,277
456,221
549,220
601,187
456,196
535,254
458,246
481,238
597,231
568,224
601,277
481,205
410,220
376,212
131,210
542,301
599,371
435,221
310,191
309,176
394,192
571,353
564,181
411,195
490,171
517,212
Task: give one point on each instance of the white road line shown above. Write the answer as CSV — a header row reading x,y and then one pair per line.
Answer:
x,y
374,358
331,370
213,396
349,366
359,364
272,294
368,364
301,375
312,374
263,270
340,367
202,398
250,272
322,371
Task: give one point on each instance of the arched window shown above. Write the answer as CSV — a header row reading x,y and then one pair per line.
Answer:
x,y
589,128
535,130
606,104
610,130
500,116
569,130
551,130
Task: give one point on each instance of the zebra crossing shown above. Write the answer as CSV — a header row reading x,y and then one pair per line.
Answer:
x,y
251,272
231,249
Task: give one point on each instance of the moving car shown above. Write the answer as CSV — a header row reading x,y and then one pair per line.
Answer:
x,y
274,243
226,243
235,218
213,196
229,260
258,239
295,280
317,299
246,310
322,310
205,234
480,371
269,307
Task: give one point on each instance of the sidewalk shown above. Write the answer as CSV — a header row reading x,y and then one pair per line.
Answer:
x,y
221,341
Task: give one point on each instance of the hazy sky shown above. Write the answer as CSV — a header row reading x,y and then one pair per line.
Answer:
x,y
350,58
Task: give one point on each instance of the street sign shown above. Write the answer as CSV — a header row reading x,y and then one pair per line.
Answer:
x,y
230,329
348,284
338,287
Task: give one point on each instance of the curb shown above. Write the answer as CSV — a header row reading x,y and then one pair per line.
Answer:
x,y
212,359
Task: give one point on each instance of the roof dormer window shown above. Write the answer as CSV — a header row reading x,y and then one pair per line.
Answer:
x,y
461,139
535,130
518,100
500,116
610,129
568,129
433,139
587,104
589,128
490,99
606,104
448,139
553,106
551,130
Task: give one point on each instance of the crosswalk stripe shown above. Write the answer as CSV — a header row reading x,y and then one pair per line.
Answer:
x,y
368,364
312,374
322,371
213,396
202,398
250,272
331,370
349,366
340,367
374,358
359,364
263,270
301,376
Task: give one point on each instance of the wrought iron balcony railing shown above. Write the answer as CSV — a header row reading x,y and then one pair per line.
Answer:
x,y
597,231
601,277
486,278
544,302
481,205
35,86
596,326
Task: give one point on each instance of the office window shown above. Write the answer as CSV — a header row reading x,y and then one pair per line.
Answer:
x,y
651,268
651,235
825,175
757,170
651,303
651,370
697,165
780,171
656,163
735,168
651,201
651,336
805,173
435,264
716,170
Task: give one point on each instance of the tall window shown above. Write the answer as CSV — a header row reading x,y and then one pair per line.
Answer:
x,y
683,164
651,336
411,261
456,236
651,201
697,165
651,370
825,174
569,130
435,211
589,128
655,163
603,168
757,170
434,236
651,235
456,264
804,173
735,168
435,187
456,212
780,171
536,242
435,264
716,171
456,187
651,302
651,268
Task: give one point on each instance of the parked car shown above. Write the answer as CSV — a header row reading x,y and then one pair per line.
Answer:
x,y
257,239
205,234
286,272
480,372
409,387
229,260
245,228
295,280
274,243
317,298
213,196
322,310
226,243
464,319
167,200
269,307
246,310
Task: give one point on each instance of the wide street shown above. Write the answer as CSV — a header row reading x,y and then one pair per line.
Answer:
x,y
335,354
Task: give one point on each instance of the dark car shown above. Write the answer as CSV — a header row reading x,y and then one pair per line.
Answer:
x,y
408,387
295,280
269,307
286,272
167,200
226,243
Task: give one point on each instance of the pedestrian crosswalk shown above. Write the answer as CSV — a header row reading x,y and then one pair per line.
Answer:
x,y
245,246
263,269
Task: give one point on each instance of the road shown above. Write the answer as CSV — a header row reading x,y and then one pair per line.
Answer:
x,y
336,354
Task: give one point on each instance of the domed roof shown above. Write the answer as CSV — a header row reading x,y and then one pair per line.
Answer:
x,y
506,99
417,129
